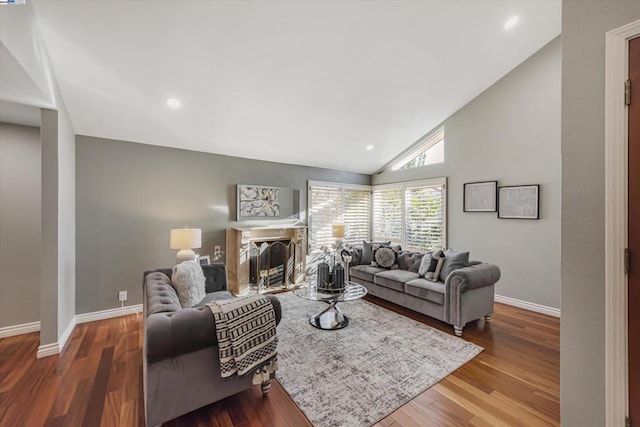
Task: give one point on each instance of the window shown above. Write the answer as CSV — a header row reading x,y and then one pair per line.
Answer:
x,y
412,214
429,151
330,203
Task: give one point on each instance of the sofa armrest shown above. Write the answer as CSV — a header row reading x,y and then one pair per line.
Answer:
x,y
473,277
183,331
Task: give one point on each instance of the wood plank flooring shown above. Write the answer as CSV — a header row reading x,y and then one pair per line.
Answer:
x,y
97,381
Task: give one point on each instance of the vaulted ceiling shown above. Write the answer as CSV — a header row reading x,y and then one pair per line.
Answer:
x,y
302,82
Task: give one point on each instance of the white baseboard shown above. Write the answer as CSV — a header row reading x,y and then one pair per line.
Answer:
x,y
108,314
48,350
25,328
538,308
56,347
67,333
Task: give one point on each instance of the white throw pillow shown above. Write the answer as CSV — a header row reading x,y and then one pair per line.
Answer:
x,y
188,279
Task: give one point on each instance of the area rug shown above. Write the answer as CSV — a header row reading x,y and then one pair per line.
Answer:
x,y
355,376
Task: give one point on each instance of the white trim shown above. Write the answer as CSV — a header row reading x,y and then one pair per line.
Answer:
x,y
57,347
616,375
24,328
48,350
343,186
531,306
67,333
108,314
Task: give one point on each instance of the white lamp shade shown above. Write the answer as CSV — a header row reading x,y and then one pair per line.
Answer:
x,y
338,231
186,238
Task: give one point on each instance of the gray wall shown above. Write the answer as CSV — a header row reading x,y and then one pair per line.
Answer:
x,y
19,224
584,24
128,197
509,133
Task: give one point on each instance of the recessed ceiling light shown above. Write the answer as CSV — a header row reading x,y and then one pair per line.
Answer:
x,y
369,147
173,102
511,22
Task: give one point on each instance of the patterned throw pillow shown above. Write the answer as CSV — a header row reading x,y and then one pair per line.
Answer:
x,y
189,281
434,275
367,251
424,264
386,257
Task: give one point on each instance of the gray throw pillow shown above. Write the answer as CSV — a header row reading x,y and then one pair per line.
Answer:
x,y
367,251
424,264
453,261
189,281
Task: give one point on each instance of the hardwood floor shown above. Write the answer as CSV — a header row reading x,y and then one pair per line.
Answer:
x,y
97,381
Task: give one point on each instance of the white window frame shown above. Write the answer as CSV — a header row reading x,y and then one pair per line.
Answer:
x,y
411,184
431,139
342,187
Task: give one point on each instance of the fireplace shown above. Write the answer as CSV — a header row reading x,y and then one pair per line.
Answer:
x,y
265,259
271,265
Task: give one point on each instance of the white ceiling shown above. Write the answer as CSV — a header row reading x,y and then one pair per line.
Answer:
x,y
302,82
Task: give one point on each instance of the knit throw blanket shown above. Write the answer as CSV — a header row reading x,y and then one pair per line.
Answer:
x,y
246,332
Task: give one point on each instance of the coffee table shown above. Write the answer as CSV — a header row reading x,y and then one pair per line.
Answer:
x,y
331,318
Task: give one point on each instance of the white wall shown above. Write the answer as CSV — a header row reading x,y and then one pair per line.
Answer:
x,y
66,221
19,224
509,133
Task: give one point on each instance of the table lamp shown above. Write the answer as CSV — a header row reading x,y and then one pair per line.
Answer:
x,y
186,239
338,234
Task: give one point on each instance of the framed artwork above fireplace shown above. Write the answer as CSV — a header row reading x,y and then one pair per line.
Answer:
x,y
266,203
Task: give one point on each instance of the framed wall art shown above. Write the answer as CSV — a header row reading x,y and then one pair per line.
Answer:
x,y
519,202
258,202
480,196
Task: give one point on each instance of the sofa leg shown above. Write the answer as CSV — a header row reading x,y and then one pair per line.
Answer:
x,y
487,318
266,386
458,330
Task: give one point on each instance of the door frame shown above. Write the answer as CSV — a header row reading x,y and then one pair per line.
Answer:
x,y
616,220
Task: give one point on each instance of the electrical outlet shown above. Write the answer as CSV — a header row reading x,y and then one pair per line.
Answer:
x,y
122,296
216,249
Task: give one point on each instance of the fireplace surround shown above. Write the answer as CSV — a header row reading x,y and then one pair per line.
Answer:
x,y
265,259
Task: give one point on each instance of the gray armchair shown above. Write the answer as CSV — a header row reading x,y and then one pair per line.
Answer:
x,y
181,367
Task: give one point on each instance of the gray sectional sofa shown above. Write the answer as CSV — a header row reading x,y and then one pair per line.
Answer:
x,y
466,294
181,367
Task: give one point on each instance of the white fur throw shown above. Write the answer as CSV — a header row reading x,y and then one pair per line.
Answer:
x,y
188,279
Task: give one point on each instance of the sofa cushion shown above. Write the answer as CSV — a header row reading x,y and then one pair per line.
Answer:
x,y
189,281
453,261
425,289
367,251
214,296
410,261
364,272
394,279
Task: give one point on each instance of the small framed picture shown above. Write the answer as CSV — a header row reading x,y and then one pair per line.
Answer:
x,y
480,196
204,260
519,202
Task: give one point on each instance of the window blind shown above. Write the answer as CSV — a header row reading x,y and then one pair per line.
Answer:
x,y
412,214
424,219
387,215
330,204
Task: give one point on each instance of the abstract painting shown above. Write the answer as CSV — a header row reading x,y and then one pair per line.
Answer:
x,y
257,201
